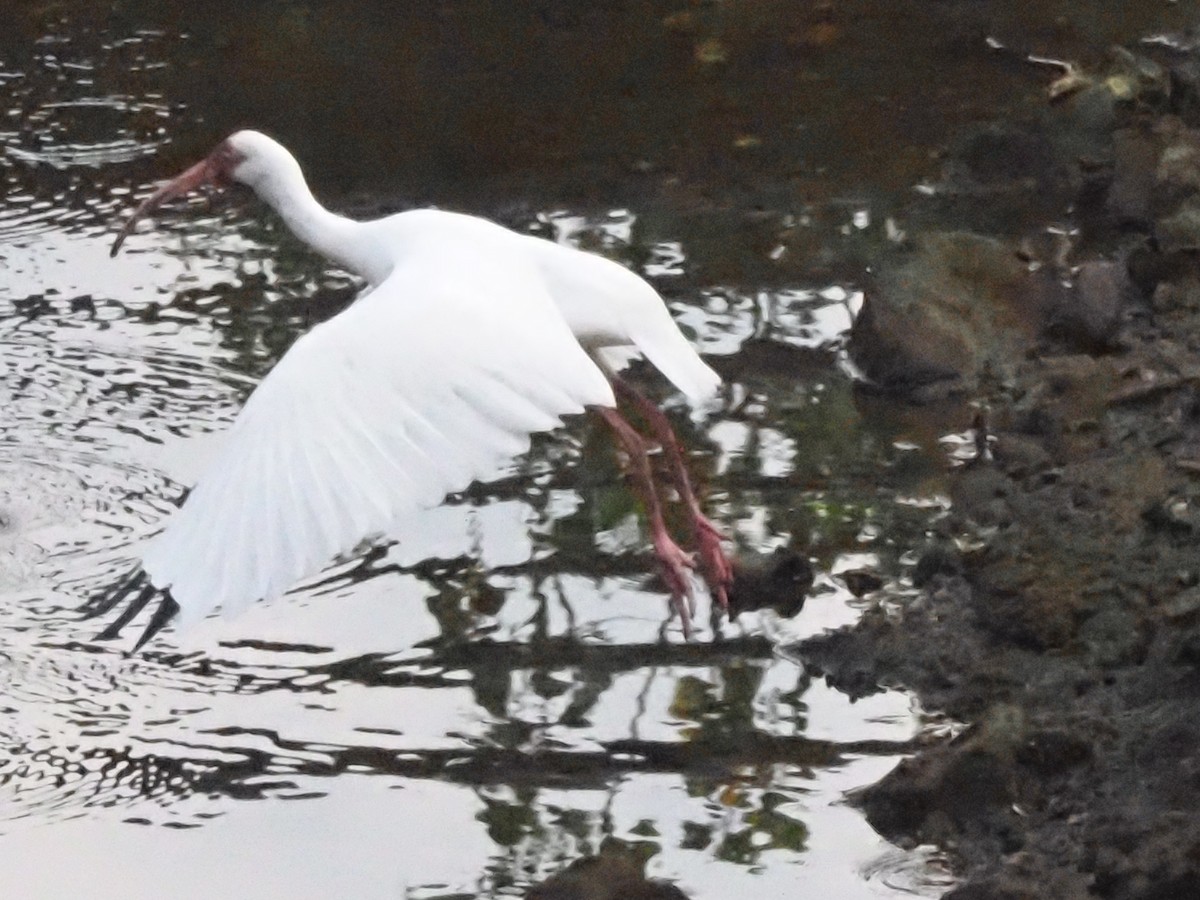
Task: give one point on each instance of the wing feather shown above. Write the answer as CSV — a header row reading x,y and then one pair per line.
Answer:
x,y
435,378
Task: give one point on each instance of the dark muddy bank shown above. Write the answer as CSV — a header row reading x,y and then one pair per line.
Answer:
x,y
1059,605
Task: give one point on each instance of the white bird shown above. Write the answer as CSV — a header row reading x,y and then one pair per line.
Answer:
x,y
468,338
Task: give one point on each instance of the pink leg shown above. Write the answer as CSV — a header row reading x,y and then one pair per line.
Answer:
x,y
714,564
673,561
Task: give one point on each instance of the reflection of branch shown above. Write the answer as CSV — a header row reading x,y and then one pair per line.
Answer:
x,y
251,772
639,705
560,652
568,610
572,769
550,653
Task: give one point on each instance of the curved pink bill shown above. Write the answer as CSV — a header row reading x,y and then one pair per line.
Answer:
x,y
198,175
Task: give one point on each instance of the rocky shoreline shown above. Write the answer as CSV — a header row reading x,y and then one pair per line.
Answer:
x,y
1059,604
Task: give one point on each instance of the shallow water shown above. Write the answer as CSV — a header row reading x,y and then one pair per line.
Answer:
x,y
456,715
462,714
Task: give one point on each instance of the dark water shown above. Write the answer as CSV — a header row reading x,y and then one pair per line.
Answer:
x,y
463,715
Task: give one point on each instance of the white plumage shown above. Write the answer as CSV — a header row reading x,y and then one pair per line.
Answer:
x,y
469,339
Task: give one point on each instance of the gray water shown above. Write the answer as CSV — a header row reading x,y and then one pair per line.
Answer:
x,y
463,714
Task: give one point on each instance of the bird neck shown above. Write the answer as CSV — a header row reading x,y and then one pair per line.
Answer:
x,y
344,241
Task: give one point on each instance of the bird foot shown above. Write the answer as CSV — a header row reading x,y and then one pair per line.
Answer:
x,y
714,564
675,563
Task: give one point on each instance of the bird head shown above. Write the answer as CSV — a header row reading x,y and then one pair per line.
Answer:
x,y
248,157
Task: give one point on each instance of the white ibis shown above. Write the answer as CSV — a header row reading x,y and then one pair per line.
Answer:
x,y
468,338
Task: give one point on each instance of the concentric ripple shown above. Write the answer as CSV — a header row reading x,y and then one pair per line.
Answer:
x,y
92,409
90,132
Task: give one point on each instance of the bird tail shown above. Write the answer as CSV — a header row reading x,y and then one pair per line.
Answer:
x,y
694,377
669,352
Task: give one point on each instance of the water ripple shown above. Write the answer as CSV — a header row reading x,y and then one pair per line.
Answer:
x,y
89,132
91,409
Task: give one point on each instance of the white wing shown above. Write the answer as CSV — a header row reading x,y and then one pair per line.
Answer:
x,y
434,379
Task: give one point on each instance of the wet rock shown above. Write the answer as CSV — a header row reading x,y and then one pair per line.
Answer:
x,y
920,643
961,305
849,662
939,559
779,581
860,582
966,785
609,876
1090,315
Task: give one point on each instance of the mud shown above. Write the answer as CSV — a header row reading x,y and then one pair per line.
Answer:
x,y
1057,614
